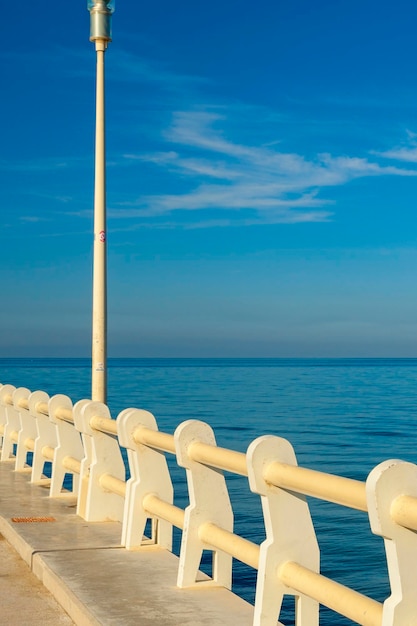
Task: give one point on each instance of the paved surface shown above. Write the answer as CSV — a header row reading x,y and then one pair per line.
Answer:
x,y
94,579
17,583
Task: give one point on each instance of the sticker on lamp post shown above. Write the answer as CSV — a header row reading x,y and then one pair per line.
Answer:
x,y
102,236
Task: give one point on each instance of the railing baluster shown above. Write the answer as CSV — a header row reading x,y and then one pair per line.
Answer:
x,y
290,535
69,451
149,475
209,502
95,503
388,481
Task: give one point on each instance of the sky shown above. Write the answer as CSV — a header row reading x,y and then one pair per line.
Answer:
x,y
261,179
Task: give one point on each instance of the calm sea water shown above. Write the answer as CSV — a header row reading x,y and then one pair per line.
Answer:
x,y
343,416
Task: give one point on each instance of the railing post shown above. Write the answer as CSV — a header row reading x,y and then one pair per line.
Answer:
x,y
27,430
5,392
290,535
46,434
13,425
385,483
87,460
148,474
69,444
106,458
209,502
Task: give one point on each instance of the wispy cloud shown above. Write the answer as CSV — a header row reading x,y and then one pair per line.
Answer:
x,y
121,66
55,197
255,184
33,219
43,165
406,152
127,66
220,178
401,154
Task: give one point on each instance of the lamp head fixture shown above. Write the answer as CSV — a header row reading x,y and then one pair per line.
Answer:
x,y
100,19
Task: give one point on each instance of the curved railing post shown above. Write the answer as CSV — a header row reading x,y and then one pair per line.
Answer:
x,y
13,425
45,437
209,503
388,481
6,391
77,411
25,427
290,535
106,458
149,474
69,445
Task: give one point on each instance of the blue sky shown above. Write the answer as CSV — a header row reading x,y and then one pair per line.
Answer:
x,y
262,179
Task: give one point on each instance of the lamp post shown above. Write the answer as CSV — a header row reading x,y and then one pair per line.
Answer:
x,y
100,33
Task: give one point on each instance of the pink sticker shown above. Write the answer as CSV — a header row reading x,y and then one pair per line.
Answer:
x,y
102,236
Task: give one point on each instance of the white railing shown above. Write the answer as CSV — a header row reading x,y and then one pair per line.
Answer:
x,y
85,442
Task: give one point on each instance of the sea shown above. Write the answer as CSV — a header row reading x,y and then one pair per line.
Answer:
x,y
342,416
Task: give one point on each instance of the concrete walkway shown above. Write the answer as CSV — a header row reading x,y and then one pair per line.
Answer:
x,y
95,580
24,600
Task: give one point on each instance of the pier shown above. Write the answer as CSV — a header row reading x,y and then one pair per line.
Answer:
x,y
98,531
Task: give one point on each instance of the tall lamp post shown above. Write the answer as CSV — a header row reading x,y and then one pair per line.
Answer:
x,y
100,33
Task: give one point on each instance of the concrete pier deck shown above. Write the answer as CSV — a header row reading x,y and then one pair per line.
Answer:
x,y
93,578
17,582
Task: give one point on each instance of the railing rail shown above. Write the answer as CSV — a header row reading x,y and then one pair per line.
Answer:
x,y
337,489
341,599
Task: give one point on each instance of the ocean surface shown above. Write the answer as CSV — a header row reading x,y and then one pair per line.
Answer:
x,y
342,416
